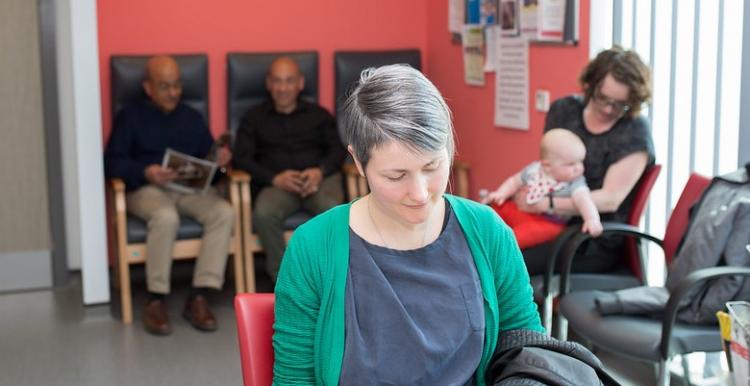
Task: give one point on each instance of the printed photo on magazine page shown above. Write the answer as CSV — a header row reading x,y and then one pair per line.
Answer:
x,y
194,175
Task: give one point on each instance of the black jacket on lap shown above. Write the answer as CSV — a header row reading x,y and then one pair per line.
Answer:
x,y
530,358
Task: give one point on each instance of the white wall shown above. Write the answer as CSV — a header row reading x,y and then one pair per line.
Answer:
x,y
80,122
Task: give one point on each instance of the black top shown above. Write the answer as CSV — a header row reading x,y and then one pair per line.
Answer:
x,y
413,317
269,142
141,134
627,136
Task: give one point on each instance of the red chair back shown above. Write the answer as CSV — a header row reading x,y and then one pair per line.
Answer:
x,y
680,217
643,191
254,313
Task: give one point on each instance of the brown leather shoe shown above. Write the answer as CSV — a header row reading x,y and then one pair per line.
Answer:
x,y
199,314
156,319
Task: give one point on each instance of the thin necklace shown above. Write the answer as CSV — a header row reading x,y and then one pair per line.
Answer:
x,y
374,225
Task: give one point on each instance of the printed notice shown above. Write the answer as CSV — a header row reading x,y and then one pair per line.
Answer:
x,y
492,40
473,40
512,83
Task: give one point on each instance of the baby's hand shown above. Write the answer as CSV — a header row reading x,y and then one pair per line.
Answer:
x,y
494,197
592,227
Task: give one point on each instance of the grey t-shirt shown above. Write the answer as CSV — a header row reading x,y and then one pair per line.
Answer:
x,y
413,317
541,184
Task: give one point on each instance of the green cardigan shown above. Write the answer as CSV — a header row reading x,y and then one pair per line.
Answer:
x,y
309,331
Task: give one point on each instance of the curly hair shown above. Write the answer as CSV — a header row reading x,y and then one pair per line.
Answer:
x,y
626,67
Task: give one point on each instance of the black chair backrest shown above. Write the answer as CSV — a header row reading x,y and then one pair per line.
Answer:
x,y
348,66
246,80
127,73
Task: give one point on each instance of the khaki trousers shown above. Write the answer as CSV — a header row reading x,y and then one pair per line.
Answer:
x,y
273,206
160,208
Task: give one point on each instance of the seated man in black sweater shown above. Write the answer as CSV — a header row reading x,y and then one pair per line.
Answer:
x,y
141,134
292,150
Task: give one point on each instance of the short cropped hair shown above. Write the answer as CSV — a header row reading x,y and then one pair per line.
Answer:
x,y
627,68
396,103
557,138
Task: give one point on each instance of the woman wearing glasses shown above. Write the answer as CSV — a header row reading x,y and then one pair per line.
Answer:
x,y
607,117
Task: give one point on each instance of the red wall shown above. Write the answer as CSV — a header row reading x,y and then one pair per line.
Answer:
x,y
494,152
218,27
221,26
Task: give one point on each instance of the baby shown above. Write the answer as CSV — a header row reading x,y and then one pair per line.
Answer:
x,y
559,173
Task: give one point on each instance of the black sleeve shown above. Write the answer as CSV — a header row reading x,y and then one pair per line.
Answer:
x,y
335,152
635,137
206,140
244,152
117,156
556,116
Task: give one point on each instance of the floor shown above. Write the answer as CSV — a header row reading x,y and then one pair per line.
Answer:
x,y
49,338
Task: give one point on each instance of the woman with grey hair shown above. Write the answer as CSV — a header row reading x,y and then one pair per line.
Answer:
x,y
407,285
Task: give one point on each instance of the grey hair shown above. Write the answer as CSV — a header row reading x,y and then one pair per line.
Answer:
x,y
396,103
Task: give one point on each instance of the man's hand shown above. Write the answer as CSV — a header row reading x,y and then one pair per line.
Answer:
x,y
223,156
312,178
158,175
290,181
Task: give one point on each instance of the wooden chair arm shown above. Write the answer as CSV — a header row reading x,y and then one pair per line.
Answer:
x,y
350,169
459,166
238,176
117,185
356,185
460,177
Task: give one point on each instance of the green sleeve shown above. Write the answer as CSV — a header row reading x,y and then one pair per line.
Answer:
x,y
515,297
296,316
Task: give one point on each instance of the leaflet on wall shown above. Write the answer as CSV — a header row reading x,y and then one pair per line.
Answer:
x,y
529,14
473,40
544,20
551,20
512,83
194,175
456,16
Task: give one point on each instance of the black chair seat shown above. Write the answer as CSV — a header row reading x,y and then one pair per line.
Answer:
x,y
637,337
585,282
189,229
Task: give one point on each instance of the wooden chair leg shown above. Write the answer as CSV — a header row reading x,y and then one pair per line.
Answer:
x,y
126,297
247,237
250,271
239,273
235,199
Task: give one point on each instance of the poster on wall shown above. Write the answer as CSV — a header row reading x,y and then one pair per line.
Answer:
x,y
491,38
488,12
551,20
512,83
509,20
473,12
473,40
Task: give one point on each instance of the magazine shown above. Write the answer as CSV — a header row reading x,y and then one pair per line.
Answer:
x,y
194,175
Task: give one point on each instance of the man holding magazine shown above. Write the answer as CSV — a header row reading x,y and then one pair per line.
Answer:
x,y
141,135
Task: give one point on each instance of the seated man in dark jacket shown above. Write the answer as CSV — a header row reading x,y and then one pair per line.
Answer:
x,y
292,150
139,139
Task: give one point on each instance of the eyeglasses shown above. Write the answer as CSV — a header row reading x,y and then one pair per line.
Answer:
x,y
165,86
619,107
